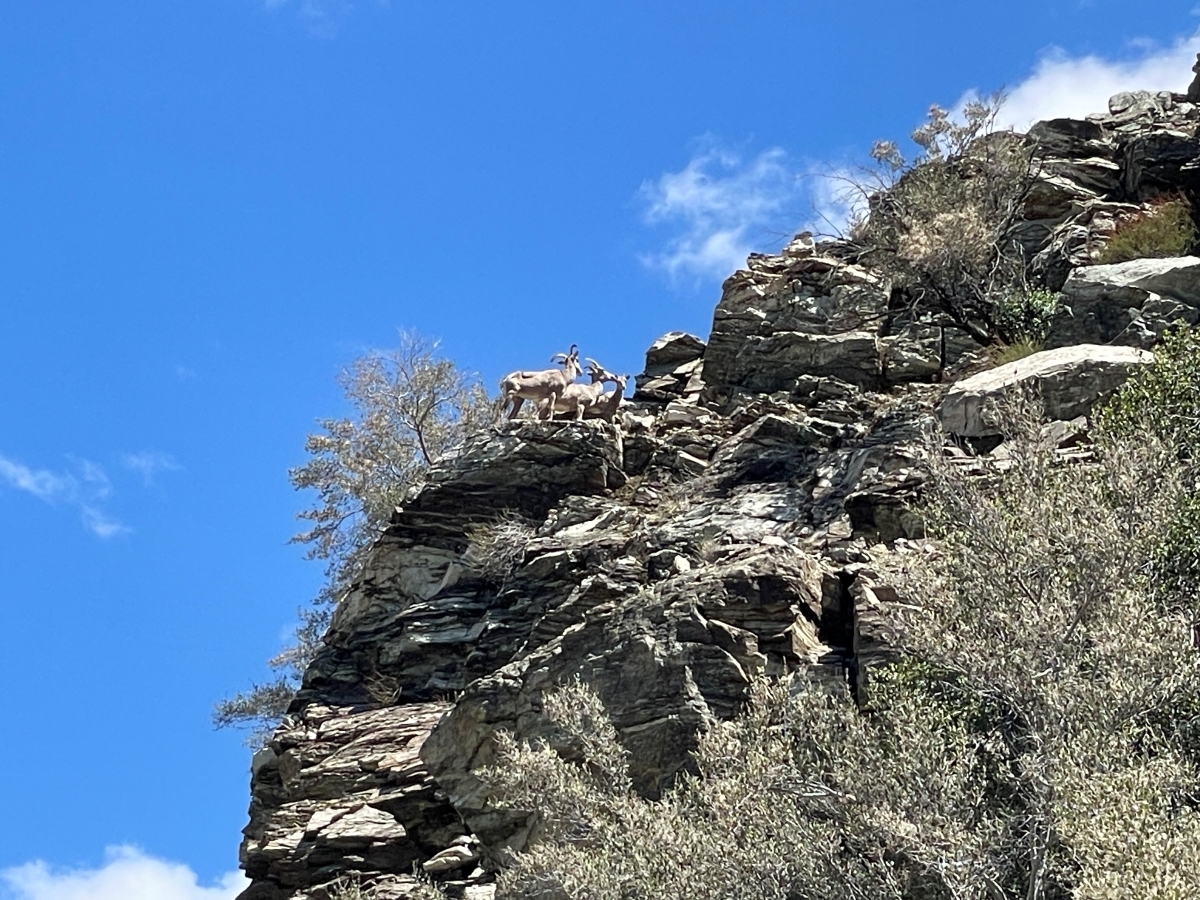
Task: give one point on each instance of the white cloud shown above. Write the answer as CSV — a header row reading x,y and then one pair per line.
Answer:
x,y
128,874
149,463
44,485
83,489
99,524
1074,86
715,205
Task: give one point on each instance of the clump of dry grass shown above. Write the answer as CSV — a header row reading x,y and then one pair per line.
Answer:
x,y
1165,229
495,549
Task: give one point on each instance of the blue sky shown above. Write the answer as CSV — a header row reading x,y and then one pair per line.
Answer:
x,y
207,208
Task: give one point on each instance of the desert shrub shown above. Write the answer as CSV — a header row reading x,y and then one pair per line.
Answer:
x,y
410,406
495,549
800,797
1165,229
1162,398
351,887
1044,601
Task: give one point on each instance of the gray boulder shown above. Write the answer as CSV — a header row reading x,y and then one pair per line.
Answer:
x,y
674,367
1130,303
1070,381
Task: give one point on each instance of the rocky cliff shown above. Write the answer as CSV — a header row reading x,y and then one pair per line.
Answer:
x,y
724,526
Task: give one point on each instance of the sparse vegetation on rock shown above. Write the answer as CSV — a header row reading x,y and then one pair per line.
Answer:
x,y
1040,738
1164,229
410,406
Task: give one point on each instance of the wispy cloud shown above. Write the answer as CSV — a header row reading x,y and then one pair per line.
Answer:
x,y
149,464
84,489
717,208
722,206
128,874
44,485
1062,85
323,18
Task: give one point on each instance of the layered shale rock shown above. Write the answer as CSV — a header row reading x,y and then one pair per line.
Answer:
x,y
723,527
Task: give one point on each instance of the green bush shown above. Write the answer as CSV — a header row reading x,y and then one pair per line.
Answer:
x,y
1024,315
1166,229
1164,399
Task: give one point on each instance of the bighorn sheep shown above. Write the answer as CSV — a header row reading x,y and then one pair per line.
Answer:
x,y
607,405
589,399
545,386
577,398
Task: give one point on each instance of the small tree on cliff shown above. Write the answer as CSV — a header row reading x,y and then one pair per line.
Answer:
x,y
409,407
940,225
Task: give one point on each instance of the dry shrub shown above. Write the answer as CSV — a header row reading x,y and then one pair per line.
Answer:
x,y
1018,349
953,238
939,226
1165,229
800,797
495,549
382,689
351,887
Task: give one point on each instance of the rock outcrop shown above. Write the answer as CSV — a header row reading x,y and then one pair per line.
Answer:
x,y
722,527
1131,303
1069,381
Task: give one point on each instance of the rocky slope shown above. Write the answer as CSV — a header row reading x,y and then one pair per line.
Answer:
x,y
723,527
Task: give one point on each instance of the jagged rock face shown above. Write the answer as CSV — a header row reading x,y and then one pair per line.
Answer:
x,y
801,314
675,642
668,581
344,787
673,365
722,527
1093,172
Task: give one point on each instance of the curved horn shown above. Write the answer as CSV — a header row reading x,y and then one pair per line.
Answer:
x,y
575,350
592,363
558,356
